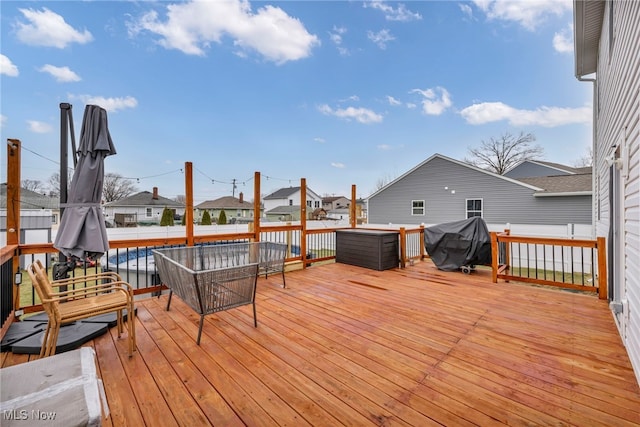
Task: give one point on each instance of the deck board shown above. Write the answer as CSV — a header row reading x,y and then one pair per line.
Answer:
x,y
344,345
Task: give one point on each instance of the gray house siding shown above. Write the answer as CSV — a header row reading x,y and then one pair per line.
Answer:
x,y
616,136
528,169
445,187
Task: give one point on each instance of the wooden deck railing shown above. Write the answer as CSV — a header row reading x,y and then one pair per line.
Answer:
x,y
306,246
566,263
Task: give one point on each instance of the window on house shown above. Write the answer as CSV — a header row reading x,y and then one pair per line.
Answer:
x,y
417,207
316,204
474,208
54,219
149,212
308,203
290,202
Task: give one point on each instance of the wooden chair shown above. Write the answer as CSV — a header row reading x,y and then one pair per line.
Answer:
x,y
80,301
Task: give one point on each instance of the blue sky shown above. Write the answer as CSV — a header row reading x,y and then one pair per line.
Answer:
x,y
337,92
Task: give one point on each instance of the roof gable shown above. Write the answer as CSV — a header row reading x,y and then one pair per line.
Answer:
x,y
459,163
536,168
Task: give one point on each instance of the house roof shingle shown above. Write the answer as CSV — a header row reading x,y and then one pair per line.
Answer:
x,y
145,198
561,183
226,202
284,210
29,199
282,193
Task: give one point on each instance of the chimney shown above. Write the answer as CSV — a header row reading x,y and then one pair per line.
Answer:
x,y
155,193
241,197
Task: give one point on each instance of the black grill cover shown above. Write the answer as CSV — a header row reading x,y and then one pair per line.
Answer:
x,y
455,244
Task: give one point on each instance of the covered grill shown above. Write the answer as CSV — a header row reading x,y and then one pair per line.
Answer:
x,y
459,244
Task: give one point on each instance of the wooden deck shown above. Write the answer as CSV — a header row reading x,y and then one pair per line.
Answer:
x,y
343,345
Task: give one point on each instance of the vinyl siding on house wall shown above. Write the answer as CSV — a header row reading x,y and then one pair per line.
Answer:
x,y
617,121
503,201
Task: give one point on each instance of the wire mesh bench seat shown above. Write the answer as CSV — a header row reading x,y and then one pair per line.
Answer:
x,y
212,278
272,256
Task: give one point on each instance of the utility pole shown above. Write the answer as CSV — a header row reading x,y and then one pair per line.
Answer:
x,y
233,191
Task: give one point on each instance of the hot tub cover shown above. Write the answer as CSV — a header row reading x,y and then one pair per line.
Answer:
x,y
453,245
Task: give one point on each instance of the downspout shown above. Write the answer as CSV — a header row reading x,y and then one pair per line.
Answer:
x,y
596,191
594,153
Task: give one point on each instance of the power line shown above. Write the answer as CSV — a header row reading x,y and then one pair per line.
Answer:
x,y
40,155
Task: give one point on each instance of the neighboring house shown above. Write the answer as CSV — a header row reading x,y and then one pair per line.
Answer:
x,y
607,46
531,168
361,211
39,215
442,189
335,202
319,214
283,213
339,214
284,204
140,208
232,207
337,207
30,200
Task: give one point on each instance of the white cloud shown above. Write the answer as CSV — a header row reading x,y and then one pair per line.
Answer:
x,y
39,127
3,120
319,140
109,104
191,27
381,38
7,67
361,115
338,165
436,100
488,112
336,37
400,14
384,147
46,28
466,10
393,101
61,74
529,13
352,98
563,40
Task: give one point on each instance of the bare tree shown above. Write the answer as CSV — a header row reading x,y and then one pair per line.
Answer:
x,y
116,187
181,198
53,185
381,182
501,154
32,185
586,160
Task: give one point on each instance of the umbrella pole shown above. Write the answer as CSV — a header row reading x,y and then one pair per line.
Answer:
x,y
62,267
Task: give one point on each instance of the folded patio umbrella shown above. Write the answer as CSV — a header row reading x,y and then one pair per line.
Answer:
x,y
82,233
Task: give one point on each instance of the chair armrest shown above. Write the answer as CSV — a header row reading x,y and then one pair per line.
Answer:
x,y
94,290
108,275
